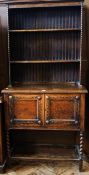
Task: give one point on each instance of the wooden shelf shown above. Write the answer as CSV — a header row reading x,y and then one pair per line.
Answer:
x,y
46,30
49,153
48,85
45,61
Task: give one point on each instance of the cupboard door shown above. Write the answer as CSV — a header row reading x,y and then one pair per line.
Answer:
x,y
62,111
25,110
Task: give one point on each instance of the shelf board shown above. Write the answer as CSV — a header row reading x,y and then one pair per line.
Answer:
x,y
46,30
49,153
45,61
49,86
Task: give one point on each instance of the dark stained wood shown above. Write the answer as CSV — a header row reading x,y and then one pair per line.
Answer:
x,y
3,47
47,152
1,151
2,138
55,109
45,97
61,108
3,77
46,46
62,111
61,88
86,41
42,137
26,110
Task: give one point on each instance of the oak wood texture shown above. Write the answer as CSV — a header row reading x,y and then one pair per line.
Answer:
x,y
54,99
61,88
51,109
62,111
45,108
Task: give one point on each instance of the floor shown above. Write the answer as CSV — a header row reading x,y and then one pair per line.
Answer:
x,y
47,168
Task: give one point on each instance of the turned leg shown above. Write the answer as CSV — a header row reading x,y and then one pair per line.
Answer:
x,y
81,152
8,145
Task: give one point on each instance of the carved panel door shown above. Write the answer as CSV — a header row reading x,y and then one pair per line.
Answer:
x,y
62,111
26,110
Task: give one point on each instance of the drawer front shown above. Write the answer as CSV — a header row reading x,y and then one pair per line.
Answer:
x,y
25,110
62,111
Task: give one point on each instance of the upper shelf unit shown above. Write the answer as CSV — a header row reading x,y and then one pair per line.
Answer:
x,y
51,46
43,19
44,44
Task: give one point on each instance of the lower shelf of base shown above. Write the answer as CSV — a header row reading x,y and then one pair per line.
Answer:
x,y
50,153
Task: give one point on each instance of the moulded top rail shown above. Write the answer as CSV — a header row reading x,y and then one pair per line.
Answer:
x,y
40,3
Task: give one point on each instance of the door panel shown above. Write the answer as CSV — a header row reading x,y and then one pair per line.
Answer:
x,y
62,111
25,110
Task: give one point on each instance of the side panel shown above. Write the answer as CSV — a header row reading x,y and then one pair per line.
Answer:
x,y
3,74
1,140
3,46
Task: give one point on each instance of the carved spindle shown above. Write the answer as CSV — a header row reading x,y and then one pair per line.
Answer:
x,y
8,144
81,151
